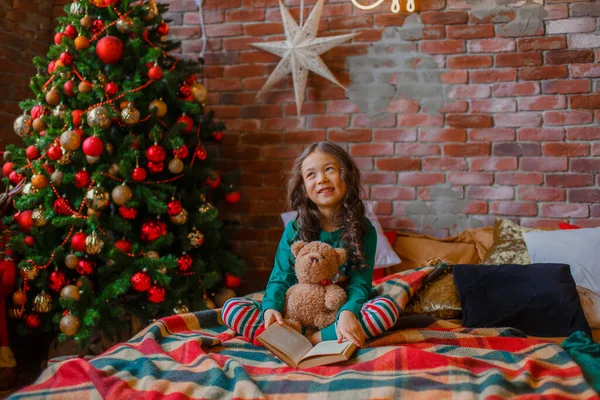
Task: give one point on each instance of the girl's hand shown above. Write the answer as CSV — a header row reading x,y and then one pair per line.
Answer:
x,y
348,327
272,316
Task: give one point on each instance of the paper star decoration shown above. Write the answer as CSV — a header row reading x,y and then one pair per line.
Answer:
x,y
300,52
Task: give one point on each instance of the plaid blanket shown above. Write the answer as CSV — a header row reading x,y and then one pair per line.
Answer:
x,y
195,356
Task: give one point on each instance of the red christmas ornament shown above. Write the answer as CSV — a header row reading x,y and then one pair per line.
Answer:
x,y
214,181
156,168
66,58
187,122
71,31
61,206
79,132
140,282
32,152
92,146
14,178
155,73
82,179
97,26
127,213
152,230
156,294
110,2
156,153
69,88
7,168
109,49
182,153
85,267
57,280
201,153
232,281
174,207
78,241
30,241
138,174
184,263
218,136
51,66
33,321
162,29
185,92
233,197
191,79
48,168
38,111
58,37
24,220
54,152
123,245
111,89
76,116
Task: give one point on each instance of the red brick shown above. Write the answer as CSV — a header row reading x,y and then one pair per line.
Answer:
x,y
388,19
381,121
493,164
497,16
245,15
515,89
585,165
371,149
467,149
470,31
493,105
493,75
421,178
449,46
571,25
453,77
317,94
261,111
569,180
378,178
444,164
513,208
585,101
262,138
444,18
584,195
315,108
350,135
369,35
470,178
496,45
357,21
395,135
541,134
237,43
392,193
262,29
566,86
544,164
243,71
545,43
591,9
540,103
223,4
397,164
286,151
469,120
403,106
329,121
341,107
519,59
417,149
519,178
222,30
564,210
490,193
469,91
434,32
456,106
255,56
443,135
420,120
568,117
566,149
569,57
543,72
278,124
556,11
585,70
492,135
243,125
226,111
469,61
516,149
305,137
595,149
534,193
263,166
517,119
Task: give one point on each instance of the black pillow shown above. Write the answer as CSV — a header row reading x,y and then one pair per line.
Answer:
x,y
538,299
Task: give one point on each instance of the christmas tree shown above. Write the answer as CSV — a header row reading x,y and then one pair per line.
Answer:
x,y
118,212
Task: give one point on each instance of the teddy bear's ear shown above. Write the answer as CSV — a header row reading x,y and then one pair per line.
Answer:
x,y
341,255
296,247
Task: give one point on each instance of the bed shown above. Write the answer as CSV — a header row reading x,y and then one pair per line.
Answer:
x,y
195,356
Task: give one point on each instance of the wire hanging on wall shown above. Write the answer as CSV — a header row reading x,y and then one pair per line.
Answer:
x,y
204,40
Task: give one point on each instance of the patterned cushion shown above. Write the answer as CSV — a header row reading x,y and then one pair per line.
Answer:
x,y
509,245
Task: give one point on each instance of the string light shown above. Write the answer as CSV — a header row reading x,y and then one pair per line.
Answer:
x,y
410,5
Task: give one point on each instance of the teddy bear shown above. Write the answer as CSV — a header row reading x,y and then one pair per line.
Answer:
x,y
314,301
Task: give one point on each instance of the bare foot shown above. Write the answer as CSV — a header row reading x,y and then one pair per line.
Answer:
x,y
315,337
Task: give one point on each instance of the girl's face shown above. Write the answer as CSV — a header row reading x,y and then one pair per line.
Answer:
x,y
323,181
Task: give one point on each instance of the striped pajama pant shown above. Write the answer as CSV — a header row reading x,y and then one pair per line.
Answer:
x,y
244,316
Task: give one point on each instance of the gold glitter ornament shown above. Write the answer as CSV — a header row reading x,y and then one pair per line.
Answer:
x,y
196,238
199,93
113,169
121,194
60,111
151,254
71,261
158,106
176,166
30,272
91,159
38,217
57,177
22,126
110,148
180,218
97,198
93,244
181,309
65,159
77,9
130,115
42,303
99,117
69,325
124,25
70,140
150,11
29,189
70,292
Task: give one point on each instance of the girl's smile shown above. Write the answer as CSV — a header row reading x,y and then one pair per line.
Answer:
x,y
322,178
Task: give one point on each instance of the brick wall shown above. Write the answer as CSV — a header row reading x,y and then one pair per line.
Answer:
x,y
517,134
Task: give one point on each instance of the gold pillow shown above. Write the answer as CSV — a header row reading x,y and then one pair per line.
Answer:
x,y
438,297
509,245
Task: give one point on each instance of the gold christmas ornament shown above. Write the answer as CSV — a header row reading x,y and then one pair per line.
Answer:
x,y
124,24
91,159
42,303
57,177
209,303
60,111
53,97
65,159
69,325
196,238
101,78
180,218
199,93
150,11
71,261
176,166
99,117
29,189
70,140
77,9
113,169
121,194
206,207
84,87
223,295
159,107
110,148
38,217
39,181
70,292
22,126
30,273
181,309
19,297
15,312
97,198
151,254
86,22
93,244
38,124
130,115
93,213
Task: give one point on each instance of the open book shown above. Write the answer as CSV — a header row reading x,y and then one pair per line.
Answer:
x,y
298,352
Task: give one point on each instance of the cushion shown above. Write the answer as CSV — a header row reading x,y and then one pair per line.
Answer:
x,y
385,256
564,225
538,299
590,302
509,246
438,297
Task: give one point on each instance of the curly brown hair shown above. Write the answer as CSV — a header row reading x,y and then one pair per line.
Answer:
x,y
350,216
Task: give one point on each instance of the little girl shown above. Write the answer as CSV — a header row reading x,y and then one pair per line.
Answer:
x,y
324,189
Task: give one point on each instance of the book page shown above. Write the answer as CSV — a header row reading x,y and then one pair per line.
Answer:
x,y
287,341
328,347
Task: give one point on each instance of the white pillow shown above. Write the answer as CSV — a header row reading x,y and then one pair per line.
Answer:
x,y
385,256
579,248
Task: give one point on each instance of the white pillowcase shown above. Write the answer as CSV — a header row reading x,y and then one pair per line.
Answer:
x,y
579,248
385,256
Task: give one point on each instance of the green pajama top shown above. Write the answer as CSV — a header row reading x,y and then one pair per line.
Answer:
x,y
283,275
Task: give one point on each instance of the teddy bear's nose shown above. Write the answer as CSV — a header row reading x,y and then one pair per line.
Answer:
x,y
313,258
